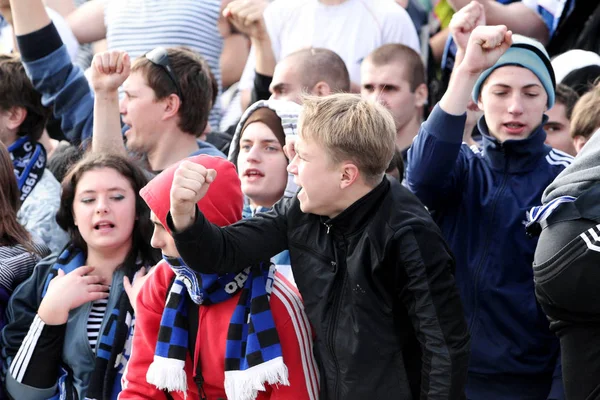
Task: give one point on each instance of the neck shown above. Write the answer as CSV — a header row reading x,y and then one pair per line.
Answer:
x,y
172,147
355,193
106,261
406,133
261,203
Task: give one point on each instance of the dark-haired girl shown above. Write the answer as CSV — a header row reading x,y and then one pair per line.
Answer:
x,y
69,324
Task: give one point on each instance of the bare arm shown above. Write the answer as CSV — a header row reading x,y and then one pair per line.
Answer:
x,y
109,71
63,7
28,16
87,22
516,16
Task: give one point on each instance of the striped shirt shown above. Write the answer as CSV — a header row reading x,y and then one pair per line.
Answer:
x,y
138,26
16,264
95,321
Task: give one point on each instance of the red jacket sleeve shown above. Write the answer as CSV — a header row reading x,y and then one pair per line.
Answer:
x,y
149,309
295,335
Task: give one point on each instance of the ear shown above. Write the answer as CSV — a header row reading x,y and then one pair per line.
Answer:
x,y
421,94
350,174
578,142
16,116
321,89
171,106
479,103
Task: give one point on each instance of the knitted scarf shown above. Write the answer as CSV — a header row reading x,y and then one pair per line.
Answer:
x,y
29,162
111,343
253,355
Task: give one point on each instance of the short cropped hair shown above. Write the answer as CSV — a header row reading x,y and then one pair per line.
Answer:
x,y
195,80
403,55
351,129
567,97
16,90
318,64
586,114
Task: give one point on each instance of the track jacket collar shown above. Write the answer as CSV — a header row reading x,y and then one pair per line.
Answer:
x,y
514,156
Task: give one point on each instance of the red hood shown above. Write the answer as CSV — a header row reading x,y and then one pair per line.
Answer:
x,y
222,205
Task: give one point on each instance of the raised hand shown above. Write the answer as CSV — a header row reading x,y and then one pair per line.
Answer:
x,y
69,291
486,45
464,21
109,70
247,17
190,183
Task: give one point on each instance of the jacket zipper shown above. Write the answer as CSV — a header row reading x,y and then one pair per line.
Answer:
x,y
487,243
332,331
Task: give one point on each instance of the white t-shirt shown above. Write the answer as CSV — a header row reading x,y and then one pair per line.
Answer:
x,y
67,36
352,29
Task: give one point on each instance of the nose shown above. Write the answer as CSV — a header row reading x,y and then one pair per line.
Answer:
x,y
253,154
157,241
123,106
516,105
102,206
292,167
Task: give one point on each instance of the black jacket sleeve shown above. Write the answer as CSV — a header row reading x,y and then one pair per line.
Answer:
x,y
210,249
260,90
428,291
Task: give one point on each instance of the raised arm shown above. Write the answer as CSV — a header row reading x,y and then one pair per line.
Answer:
x,y
47,63
109,71
87,22
516,16
436,163
209,249
247,17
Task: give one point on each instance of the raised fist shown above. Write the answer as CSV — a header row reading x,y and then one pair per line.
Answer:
x,y
109,70
190,183
486,45
464,21
247,17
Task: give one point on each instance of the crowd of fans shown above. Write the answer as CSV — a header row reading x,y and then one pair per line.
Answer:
x,y
300,199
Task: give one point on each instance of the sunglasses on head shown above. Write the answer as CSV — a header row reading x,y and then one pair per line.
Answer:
x,y
160,57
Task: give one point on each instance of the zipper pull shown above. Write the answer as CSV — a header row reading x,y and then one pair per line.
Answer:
x,y
328,228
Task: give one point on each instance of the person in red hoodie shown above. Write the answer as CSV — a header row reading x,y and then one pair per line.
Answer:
x,y
247,344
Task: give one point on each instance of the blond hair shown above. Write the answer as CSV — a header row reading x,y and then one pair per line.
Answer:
x,y
586,114
350,129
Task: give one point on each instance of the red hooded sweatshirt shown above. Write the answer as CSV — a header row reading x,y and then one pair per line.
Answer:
x,y
222,205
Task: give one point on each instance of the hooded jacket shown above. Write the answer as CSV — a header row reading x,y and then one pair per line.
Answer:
x,y
479,198
288,112
222,205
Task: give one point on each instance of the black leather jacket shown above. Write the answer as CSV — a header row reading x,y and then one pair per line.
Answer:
x,y
378,287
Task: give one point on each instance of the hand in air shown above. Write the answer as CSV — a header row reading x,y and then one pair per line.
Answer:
x,y
109,70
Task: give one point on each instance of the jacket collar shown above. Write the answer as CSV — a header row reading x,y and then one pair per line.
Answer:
x,y
355,217
514,156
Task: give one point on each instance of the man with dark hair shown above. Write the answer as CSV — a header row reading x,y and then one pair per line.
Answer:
x,y
558,126
166,105
317,71
394,75
22,121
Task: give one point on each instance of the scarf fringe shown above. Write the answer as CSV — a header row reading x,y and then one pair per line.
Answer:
x,y
245,385
167,374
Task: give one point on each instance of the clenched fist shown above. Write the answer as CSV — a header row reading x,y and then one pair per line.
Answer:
x,y
190,183
247,17
465,21
486,45
109,70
